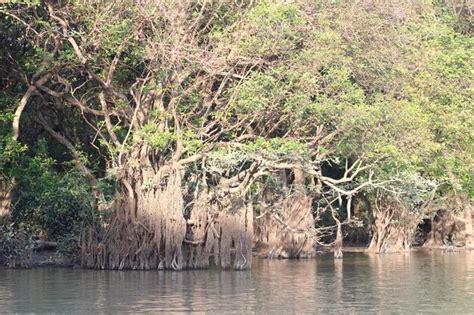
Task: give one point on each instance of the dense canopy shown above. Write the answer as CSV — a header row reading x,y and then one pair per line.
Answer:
x,y
178,134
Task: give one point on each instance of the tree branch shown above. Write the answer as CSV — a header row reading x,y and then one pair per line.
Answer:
x,y
77,161
24,100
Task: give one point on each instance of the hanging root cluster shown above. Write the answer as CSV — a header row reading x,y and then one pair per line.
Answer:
x,y
394,227
149,231
220,231
287,232
148,228
445,229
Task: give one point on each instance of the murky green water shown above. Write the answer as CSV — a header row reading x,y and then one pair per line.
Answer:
x,y
418,283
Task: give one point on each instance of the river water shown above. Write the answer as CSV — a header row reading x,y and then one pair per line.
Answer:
x,y
424,281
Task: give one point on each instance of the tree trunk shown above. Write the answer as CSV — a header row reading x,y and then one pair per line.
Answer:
x,y
373,243
299,182
381,243
338,242
220,230
445,227
292,232
147,229
5,200
435,238
394,227
385,235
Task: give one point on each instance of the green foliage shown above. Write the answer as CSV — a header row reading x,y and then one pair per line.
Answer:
x,y
10,156
400,89
50,203
151,133
15,245
225,161
273,29
275,148
258,94
272,81
191,142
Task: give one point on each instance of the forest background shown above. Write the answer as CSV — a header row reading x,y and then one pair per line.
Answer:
x,y
179,134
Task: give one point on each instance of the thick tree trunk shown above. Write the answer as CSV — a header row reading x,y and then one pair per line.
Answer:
x,y
292,235
380,229
147,229
289,231
373,243
435,238
299,182
394,227
445,228
220,230
387,236
393,239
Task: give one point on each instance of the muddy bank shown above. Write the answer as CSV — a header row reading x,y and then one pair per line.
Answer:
x,y
40,254
49,256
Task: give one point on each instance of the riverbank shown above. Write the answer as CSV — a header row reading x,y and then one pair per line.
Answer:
x,y
45,256
40,254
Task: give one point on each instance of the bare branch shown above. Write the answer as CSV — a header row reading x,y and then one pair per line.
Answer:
x,y
24,100
108,123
